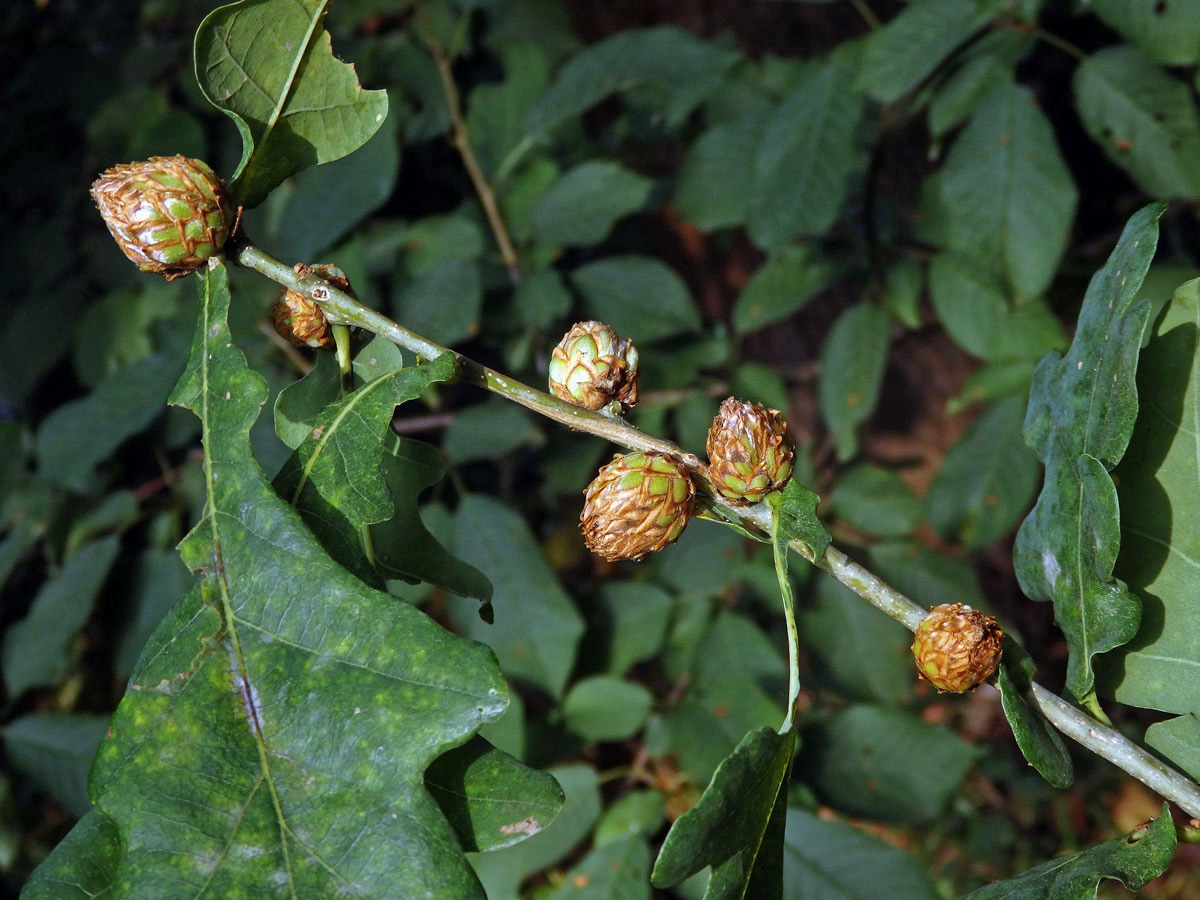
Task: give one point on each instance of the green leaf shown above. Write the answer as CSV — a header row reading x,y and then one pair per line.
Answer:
x,y
841,631
502,871
1143,119
797,512
1166,32
335,478
603,708
716,177
615,291
782,286
902,286
82,867
78,435
496,111
986,480
1039,741
1178,739
542,299
159,579
977,313
852,363
55,750
614,871
962,92
678,68
491,799
37,649
876,501
212,773
537,627
1081,414
269,66
585,203
1159,487
807,153
900,55
443,303
835,861
1133,860
725,829
918,571
404,547
1008,193
884,764
639,813
298,405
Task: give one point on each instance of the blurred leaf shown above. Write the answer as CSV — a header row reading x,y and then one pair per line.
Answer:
x,y
681,69
960,95
404,547
977,314
375,359
78,435
897,57
759,383
1166,32
797,512
444,303
490,799
636,615
807,154
613,871
1039,741
269,66
1008,193
542,299
726,828
615,291
489,430
1132,860
1068,544
113,514
852,363
1143,119
702,562
782,286
1159,488
496,111
836,861
315,208
1178,739
278,635
902,286
55,750
842,631
298,405
335,478
603,708
992,382
716,177
159,579
584,204
502,871
37,649
884,764
924,574
986,480
83,866
639,813
875,500
42,312
537,627
737,684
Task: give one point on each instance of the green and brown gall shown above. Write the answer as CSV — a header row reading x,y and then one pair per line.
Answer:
x,y
749,451
957,647
299,319
592,367
636,504
169,214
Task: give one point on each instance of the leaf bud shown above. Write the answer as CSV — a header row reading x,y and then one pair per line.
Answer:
x,y
636,504
591,367
957,647
168,214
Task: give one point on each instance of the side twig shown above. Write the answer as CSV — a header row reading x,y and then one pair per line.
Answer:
x,y
341,308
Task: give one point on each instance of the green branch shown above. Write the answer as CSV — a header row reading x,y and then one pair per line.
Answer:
x,y
343,309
